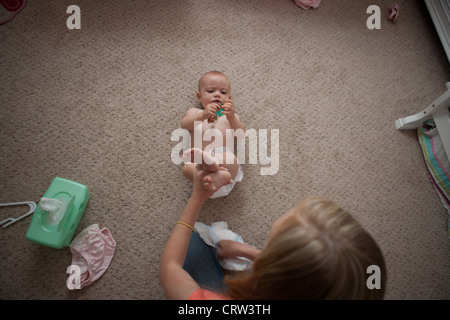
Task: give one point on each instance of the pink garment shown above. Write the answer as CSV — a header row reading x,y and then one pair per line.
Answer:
x,y
9,9
393,12
306,4
92,251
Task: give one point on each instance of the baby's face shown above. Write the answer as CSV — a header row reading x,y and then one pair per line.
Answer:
x,y
214,88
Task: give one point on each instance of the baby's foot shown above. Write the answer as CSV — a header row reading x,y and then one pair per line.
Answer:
x,y
216,180
197,155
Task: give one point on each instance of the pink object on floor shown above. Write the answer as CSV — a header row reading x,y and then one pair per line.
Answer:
x,y
9,9
393,12
306,4
92,251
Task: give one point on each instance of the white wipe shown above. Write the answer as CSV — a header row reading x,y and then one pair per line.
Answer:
x,y
219,231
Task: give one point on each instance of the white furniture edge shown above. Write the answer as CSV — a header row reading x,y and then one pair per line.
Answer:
x,y
438,109
440,14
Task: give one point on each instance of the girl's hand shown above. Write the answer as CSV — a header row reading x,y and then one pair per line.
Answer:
x,y
202,190
199,192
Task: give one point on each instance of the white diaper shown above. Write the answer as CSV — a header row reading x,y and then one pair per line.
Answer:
x,y
226,189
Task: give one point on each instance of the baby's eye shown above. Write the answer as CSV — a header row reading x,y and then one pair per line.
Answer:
x,y
209,91
224,92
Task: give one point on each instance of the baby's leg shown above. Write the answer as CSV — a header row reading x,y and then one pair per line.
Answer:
x,y
228,161
207,161
216,180
223,167
228,169
212,181
189,170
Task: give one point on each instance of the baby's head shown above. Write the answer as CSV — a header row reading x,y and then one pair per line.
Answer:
x,y
213,87
317,250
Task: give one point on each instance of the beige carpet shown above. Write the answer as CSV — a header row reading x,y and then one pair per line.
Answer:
x,y
99,105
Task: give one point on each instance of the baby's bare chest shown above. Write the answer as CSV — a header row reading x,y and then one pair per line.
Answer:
x,y
220,132
220,124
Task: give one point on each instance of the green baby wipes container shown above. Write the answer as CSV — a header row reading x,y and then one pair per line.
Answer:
x,y
58,213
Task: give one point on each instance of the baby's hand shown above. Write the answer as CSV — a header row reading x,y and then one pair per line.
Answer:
x,y
210,112
228,109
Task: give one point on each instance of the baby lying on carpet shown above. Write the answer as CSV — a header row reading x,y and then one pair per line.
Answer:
x,y
217,156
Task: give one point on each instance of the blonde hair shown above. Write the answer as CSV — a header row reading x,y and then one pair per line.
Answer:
x,y
320,252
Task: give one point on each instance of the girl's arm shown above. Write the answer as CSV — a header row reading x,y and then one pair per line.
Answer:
x,y
232,249
176,282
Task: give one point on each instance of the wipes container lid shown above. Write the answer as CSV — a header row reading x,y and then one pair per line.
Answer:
x,y
58,214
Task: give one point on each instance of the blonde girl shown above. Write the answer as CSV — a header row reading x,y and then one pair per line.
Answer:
x,y
316,250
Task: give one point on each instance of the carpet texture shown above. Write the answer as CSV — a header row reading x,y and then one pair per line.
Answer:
x,y
98,105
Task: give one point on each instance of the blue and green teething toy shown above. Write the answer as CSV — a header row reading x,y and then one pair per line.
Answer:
x,y
219,112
